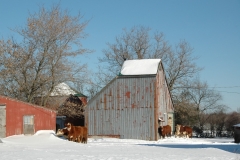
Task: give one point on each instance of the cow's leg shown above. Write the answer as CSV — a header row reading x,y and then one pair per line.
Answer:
x,y
70,137
177,134
185,134
79,138
83,139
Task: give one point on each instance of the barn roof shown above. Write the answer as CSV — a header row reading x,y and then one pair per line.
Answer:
x,y
3,98
63,89
140,67
80,95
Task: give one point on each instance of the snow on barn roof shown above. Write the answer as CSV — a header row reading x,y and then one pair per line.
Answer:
x,y
140,67
62,89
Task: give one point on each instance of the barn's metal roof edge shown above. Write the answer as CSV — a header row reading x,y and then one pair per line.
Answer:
x,y
167,83
80,95
137,76
34,105
102,90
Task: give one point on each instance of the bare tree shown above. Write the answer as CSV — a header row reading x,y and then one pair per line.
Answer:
x,y
34,66
139,43
232,119
180,66
185,110
205,100
212,121
221,120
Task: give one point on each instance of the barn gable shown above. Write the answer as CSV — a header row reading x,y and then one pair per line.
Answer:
x,y
131,104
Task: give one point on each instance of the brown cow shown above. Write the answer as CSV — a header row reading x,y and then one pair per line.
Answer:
x,y
164,131
188,131
75,133
183,131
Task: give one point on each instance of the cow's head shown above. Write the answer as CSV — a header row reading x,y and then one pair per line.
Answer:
x,y
63,131
59,132
69,125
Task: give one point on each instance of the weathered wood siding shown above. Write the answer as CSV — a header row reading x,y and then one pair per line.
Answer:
x,y
129,107
164,100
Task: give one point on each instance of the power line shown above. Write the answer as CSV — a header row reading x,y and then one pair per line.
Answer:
x,y
227,87
229,92
215,88
206,87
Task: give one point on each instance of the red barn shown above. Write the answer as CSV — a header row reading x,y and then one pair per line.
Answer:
x,y
17,117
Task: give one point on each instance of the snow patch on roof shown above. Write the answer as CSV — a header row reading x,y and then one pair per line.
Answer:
x,y
62,89
140,67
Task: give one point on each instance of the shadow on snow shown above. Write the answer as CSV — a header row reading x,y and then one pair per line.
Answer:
x,y
234,148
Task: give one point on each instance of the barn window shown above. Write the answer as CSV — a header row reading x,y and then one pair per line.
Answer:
x,y
28,124
28,120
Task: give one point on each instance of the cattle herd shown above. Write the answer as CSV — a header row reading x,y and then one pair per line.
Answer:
x,y
181,131
79,134
74,133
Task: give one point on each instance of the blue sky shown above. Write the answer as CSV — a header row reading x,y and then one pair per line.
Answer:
x,y
212,27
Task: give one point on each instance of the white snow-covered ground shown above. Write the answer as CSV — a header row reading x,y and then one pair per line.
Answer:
x,y
45,145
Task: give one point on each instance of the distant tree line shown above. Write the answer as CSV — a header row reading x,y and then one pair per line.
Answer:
x,y
218,124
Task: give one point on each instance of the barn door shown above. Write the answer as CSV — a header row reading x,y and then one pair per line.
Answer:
x,y
2,121
28,124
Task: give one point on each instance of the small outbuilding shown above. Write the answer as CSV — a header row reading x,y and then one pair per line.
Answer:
x,y
134,104
236,131
18,117
60,95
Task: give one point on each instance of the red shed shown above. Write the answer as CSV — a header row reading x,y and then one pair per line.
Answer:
x,y
17,117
